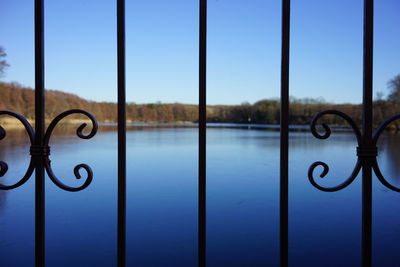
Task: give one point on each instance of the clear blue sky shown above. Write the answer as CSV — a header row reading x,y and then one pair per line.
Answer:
x,y
162,43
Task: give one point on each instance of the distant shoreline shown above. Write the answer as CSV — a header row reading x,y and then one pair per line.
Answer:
x,y
263,112
10,124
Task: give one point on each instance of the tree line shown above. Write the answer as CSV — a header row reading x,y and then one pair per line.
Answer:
x,y
15,97
20,99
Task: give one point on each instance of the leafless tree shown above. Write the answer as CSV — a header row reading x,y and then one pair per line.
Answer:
x,y
3,62
394,87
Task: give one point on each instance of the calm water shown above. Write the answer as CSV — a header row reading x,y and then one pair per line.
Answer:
x,y
243,201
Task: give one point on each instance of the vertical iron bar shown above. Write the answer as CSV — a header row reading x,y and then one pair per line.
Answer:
x,y
202,133
39,133
121,134
367,76
367,215
367,133
284,134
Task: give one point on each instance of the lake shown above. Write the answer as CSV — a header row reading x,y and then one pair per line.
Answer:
x,y
242,200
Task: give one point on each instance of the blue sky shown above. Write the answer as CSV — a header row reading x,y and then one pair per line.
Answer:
x,y
162,43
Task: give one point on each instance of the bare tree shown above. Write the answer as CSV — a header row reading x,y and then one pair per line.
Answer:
x,y
3,62
394,87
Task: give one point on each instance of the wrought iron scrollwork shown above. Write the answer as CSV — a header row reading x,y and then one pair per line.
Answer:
x,y
80,134
383,126
44,150
328,129
4,165
326,135
365,151
325,171
375,165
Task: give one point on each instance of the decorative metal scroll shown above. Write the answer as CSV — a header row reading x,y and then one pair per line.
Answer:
x,y
366,150
43,151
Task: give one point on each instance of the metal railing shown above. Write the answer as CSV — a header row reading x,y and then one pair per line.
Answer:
x,y
40,138
366,150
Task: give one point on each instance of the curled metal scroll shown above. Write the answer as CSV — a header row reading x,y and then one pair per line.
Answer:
x,y
61,185
366,150
325,135
326,127
382,179
44,150
325,171
383,126
3,165
79,130
375,165
80,134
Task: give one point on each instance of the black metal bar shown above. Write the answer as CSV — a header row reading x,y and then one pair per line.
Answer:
x,y
121,134
202,133
284,134
368,68
367,151
39,133
367,134
39,139
367,216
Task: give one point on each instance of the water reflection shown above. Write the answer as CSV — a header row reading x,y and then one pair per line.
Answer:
x,y
243,200
3,199
390,147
